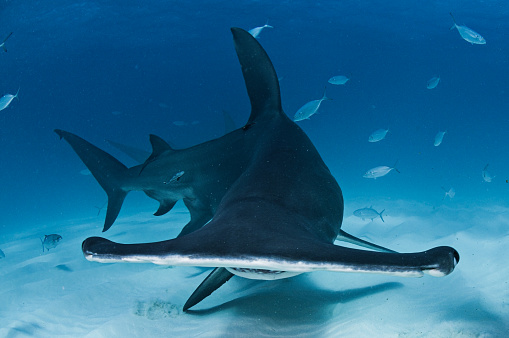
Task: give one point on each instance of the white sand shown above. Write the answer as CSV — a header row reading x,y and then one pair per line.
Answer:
x,y
143,300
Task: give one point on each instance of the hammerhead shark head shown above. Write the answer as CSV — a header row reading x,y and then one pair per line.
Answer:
x,y
279,209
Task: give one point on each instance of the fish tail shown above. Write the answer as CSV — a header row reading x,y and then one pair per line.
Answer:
x,y
107,170
8,36
454,20
3,42
380,214
42,243
324,97
394,167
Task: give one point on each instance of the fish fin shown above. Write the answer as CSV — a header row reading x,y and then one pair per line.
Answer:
x,y
164,207
394,167
106,169
8,36
381,215
199,216
214,281
4,48
324,96
346,237
159,146
259,76
454,20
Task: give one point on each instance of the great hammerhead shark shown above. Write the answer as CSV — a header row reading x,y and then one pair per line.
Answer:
x,y
277,208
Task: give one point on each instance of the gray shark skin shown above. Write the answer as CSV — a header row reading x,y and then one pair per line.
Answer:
x,y
282,212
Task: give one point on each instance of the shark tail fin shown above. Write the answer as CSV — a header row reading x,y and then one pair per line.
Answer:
x,y
107,170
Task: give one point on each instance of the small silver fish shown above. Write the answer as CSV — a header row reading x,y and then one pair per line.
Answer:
x,y
368,213
485,175
433,82
379,171
175,177
3,42
451,193
85,172
257,30
310,108
338,80
6,100
378,135
50,241
439,138
2,255
180,123
468,34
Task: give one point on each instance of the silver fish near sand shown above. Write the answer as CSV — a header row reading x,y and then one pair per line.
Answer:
x,y
309,109
379,171
433,82
439,137
50,241
3,42
378,135
369,213
338,80
257,30
468,34
2,255
6,100
486,175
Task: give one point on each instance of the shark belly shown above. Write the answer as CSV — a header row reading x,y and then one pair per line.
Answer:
x,y
262,273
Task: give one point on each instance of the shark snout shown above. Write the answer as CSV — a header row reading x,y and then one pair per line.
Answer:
x,y
444,260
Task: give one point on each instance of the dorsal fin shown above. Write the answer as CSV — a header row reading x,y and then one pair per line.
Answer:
x,y
159,146
259,75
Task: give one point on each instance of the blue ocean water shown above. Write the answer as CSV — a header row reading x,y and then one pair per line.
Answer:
x,y
123,70
158,62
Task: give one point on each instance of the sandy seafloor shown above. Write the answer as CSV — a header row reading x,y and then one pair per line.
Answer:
x,y
59,293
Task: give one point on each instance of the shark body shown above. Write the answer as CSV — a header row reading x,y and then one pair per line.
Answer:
x,y
276,207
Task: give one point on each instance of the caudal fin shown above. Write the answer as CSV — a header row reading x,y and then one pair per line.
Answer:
x,y
108,171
